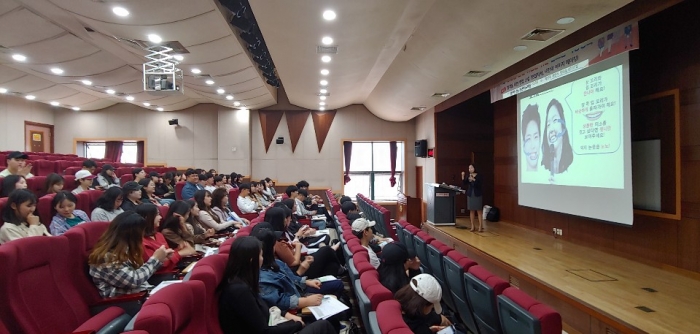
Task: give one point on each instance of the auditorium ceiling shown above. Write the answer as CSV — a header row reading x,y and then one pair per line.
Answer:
x,y
392,55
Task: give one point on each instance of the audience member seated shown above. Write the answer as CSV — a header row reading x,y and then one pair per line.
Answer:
x,y
65,216
418,300
305,234
12,182
89,166
206,216
152,240
54,183
235,180
131,192
246,203
165,187
208,182
138,174
148,193
201,233
256,194
265,192
107,178
280,287
301,210
349,207
241,309
219,206
19,218
108,206
397,266
362,229
117,265
174,227
17,165
324,261
270,187
312,201
192,184
84,179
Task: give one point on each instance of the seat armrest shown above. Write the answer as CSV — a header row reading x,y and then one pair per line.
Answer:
x,y
140,296
373,324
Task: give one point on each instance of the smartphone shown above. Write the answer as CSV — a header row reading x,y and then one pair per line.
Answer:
x,y
447,330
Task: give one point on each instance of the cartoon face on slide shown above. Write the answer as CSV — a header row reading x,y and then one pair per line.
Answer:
x,y
555,129
556,148
530,131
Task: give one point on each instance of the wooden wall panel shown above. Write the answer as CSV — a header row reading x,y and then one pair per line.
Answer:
x,y
269,120
322,124
667,60
296,120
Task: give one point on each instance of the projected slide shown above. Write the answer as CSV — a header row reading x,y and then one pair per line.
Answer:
x,y
572,134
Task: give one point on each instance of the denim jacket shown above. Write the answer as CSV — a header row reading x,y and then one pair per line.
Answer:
x,y
283,288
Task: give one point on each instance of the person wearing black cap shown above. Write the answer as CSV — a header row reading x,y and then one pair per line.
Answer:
x,y
397,266
131,191
17,165
107,179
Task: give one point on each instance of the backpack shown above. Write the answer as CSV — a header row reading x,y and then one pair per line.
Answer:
x,y
494,214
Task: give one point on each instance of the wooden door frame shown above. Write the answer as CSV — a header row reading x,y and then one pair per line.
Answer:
x,y
50,126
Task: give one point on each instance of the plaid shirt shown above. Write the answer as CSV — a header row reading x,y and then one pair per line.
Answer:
x,y
115,279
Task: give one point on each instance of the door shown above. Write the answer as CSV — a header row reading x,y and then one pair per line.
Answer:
x,y
37,141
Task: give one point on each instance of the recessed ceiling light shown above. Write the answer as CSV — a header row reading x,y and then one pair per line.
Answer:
x,y
329,15
30,97
196,71
321,108
154,38
110,91
54,103
209,82
325,72
229,97
520,48
322,103
566,20
323,82
19,57
220,91
120,11
327,40
323,98
87,82
159,109
179,57
56,70
76,108
146,104
236,104
3,90
129,98
323,91
326,59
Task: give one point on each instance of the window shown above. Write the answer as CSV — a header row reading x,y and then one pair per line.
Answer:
x,y
94,150
370,170
129,154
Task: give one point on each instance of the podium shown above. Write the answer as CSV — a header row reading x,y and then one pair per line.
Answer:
x,y
441,203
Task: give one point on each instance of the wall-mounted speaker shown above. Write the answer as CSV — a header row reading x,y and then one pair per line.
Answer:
x,y
280,140
421,148
173,122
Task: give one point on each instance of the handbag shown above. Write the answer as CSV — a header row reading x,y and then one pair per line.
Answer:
x,y
276,317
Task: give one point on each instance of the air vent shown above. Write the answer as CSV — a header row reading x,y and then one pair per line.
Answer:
x,y
418,108
541,34
327,49
514,281
441,94
476,74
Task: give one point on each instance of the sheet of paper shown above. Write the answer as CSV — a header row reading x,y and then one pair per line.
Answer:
x,y
327,278
162,285
329,307
321,232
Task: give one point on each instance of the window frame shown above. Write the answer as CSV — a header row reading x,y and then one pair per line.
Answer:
x,y
400,174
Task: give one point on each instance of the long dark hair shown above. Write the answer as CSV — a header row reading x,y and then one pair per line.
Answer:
x,y
567,154
108,198
17,197
268,239
123,240
52,179
172,222
275,216
149,212
136,171
144,184
9,184
217,196
109,179
60,197
199,197
412,304
243,263
392,275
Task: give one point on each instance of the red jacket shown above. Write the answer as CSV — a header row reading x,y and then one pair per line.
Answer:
x,y
149,247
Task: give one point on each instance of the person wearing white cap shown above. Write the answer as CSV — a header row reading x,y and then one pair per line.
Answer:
x,y
418,299
84,179
362,229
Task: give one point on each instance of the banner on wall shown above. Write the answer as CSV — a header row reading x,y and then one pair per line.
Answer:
x,y
606,45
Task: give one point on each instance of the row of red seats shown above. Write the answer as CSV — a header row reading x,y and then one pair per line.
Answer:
x,y
332,202
67,167
35,269
379,214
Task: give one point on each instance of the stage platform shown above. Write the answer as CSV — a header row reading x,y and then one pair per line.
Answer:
x,y
595,292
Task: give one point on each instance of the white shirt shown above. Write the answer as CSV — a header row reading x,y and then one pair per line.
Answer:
x,y
210,188
6,172
9,232
246,205
373,259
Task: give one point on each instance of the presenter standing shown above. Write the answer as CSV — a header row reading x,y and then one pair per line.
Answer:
x,y
473,182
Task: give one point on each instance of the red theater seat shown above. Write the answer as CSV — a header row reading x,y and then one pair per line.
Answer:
x,y
125,178
178,190
72,170
44,167
35,270
43,208
482,288
62,165
69,182
177,309
390,320
210,270
523,314
36,185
